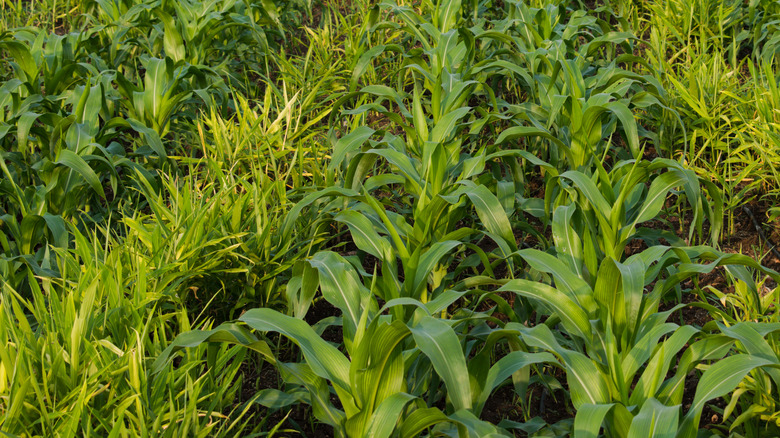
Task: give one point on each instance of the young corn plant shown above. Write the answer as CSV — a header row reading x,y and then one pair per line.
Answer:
x,y
427,162
196,33
202,33
382,386
60,137
599,299
166,92
575,99
595,217
615,336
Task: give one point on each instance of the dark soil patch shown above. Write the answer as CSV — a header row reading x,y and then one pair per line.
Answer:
x,y
551,407
502,405
320,310
688,315
746,238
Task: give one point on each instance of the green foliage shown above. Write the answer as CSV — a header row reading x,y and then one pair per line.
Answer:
x,y
253,218
75,353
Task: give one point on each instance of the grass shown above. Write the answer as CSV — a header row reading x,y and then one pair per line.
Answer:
x,y
715,60
241,218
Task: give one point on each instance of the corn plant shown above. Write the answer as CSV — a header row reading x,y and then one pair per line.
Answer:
x,y
192,37
427,161
199,34
58,149
376,385
594,218
577,95
613,338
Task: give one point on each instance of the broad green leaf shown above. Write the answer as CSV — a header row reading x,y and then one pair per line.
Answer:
x,y
448,14
608,293
632,273
529,131
301,288
155,87
445,127
383,91
436,339
586,383
228,332
404,163
548,168
294,213
386,416
626,118
421,419
474,427
505,367
23,126
349,143
471,166
720,379
490,212
591,192
589,418
365,236
172,41
22,57
275,399
319,394
566,281
754,344
420,120
443,301
607,38
656,196
574,319
655,420
57,228
430,259
150,135
77,164
644,347
567,241
325,360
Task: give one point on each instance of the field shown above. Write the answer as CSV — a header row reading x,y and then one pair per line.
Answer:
x,y
334,218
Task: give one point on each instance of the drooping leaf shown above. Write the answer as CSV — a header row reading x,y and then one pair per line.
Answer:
x,y
325,360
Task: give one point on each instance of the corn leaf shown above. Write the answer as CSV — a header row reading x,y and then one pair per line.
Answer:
x,y
655,420
325,360
436,339
589,418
